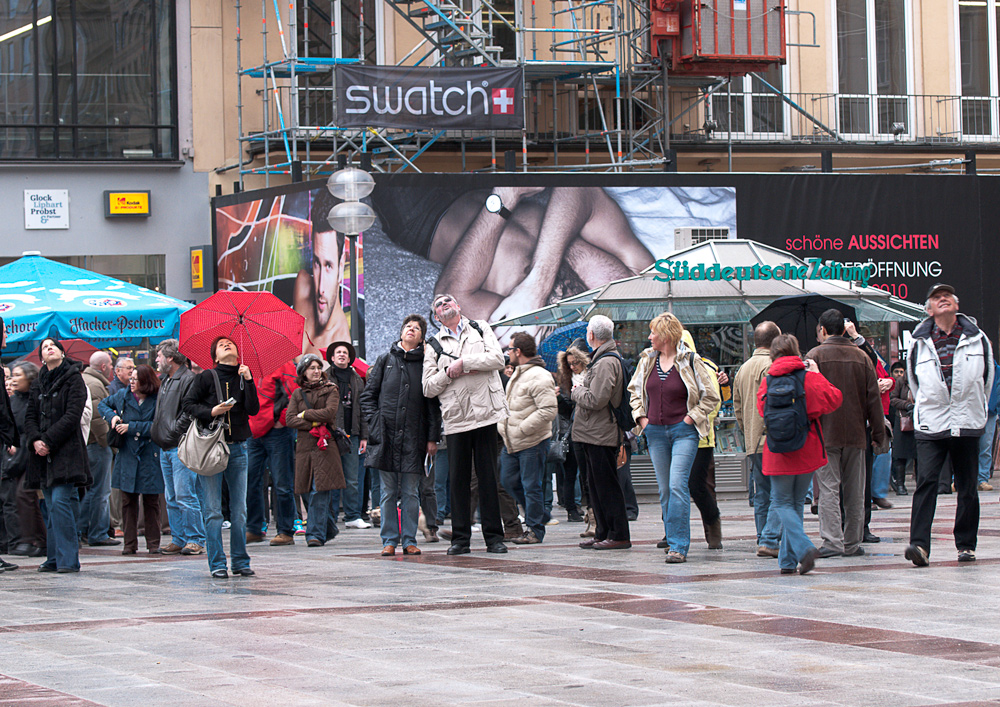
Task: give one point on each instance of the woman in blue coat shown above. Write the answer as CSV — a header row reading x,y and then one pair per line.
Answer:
x,y
137,464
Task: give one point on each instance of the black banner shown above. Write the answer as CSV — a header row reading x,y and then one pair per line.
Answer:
x,y
430,98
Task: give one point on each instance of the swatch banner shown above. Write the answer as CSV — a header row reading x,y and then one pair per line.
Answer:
x,y
430,98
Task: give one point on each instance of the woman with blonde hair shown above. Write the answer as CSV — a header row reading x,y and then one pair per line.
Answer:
x,y
672,399
570,365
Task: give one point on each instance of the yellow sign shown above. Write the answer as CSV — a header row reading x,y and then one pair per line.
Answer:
x,y
127,203
197,269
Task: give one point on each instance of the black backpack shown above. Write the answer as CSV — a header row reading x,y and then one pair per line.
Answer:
x,y
439,350
623,412
785,415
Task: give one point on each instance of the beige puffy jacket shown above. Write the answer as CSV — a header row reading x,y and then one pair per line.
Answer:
x,y
531,399
703,395
476,398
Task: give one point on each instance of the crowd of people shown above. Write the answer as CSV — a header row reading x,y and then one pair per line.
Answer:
x,y
456,425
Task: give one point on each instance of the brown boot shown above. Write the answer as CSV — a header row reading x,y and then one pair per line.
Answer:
x,y
713,534
282,539
591,529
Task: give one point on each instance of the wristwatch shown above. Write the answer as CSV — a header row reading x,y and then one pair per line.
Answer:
x,y
495,206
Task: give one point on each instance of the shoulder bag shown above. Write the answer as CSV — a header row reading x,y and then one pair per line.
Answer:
x,y
559,446
205,452
116,440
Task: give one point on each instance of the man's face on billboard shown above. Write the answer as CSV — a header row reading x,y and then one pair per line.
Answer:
x,y
326,272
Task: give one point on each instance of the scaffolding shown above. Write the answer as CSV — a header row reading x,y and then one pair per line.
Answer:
x,y
595,94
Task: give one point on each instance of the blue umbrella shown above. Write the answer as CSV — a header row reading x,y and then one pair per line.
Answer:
x,y
41,297
558,341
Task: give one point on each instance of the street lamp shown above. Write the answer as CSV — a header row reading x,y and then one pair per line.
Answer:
x,y
351,217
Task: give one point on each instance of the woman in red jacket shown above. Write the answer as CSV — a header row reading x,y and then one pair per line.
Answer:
x,y
791,472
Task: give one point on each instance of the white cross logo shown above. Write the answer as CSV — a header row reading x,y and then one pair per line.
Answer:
x,y
503,101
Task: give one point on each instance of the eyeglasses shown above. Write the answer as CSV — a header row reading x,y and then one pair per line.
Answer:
x,y
443,300
572,362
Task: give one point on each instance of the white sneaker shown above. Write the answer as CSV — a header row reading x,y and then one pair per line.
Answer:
x,y
476,527
553,521
360,524
226,525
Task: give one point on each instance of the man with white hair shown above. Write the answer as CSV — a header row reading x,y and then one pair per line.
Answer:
x,y
123,372
950,371
595,428
95,511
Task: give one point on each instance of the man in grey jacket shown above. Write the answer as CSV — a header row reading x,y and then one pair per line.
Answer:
x,y
461,364
187,528
95,510
594,427
950,371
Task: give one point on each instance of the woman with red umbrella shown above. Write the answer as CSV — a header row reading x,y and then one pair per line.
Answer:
x,y
203,403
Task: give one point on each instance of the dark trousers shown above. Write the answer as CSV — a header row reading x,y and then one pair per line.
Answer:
x,y
899,470
151,521
579,454
508,507
625,481
8,511
31,525
931,454
606,496
869,467
701,484
479,447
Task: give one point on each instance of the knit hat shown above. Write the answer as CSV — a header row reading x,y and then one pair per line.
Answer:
x,y
304,362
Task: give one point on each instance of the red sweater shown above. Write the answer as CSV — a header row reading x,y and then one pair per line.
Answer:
x,y
822,398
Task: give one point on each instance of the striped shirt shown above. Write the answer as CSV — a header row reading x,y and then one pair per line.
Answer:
x,y
945,343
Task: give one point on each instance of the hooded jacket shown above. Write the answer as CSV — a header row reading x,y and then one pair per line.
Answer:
x,y
938,412
822,398
273,393
476,398
848,368
702,396
55,406
401,419
593,422
531,399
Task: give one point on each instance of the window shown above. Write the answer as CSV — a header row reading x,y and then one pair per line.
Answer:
x,y
872,67
976,78
87,80
753,109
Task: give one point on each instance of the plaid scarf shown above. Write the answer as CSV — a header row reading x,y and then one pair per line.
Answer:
x,y
945,343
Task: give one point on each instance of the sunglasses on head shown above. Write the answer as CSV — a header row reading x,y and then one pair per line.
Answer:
x,y
443,300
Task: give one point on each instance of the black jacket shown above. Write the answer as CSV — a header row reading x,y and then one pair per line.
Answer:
x,y
55,406
401,421
170,421
359,425
9,435
200,398
14,466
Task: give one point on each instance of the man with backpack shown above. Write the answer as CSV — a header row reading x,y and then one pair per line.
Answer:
x,y
461,364
846,366
598,431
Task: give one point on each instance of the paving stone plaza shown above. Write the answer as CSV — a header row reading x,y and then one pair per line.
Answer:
x,y
547,624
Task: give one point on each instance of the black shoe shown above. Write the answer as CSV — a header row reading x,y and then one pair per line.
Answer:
x,y
917,555
902,490
808,561
573,516
46,567
220,574
788,570
497,548
457,549
829,552
21,550
36,551
632,516
243,572
857,552
871,538
663,544
107,542
7,566
67,570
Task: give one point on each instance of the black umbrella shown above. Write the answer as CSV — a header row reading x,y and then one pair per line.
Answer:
x,y
799,315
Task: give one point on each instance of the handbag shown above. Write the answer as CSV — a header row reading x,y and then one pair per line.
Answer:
x,y
205,452
559,446
116,440
906,421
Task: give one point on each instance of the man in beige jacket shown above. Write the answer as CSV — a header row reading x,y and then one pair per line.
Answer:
x,y
531,398
461,364
745,387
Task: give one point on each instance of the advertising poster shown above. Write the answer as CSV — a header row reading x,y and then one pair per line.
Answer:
x,y
279,241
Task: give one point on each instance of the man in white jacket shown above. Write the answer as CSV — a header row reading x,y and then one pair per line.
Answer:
x,y
461,364
531,399
950,372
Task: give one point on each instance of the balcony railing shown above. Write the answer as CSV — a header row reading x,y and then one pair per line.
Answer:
x,y
833,117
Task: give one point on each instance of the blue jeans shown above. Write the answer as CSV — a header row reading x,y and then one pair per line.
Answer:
x,y
180,490
406,487
95,511
351,495
276,450
62,545
441,485
672,449
880,475
986,449
210,495
768,524
788,494
321,524
523,475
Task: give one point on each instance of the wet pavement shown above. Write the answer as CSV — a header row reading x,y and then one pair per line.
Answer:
x,y
547,624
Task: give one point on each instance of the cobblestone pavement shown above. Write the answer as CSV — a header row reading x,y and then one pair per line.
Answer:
x,y
547,624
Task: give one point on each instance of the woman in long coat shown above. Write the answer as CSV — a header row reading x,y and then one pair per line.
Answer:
x,y
137,465
318,472
58,462
403,428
